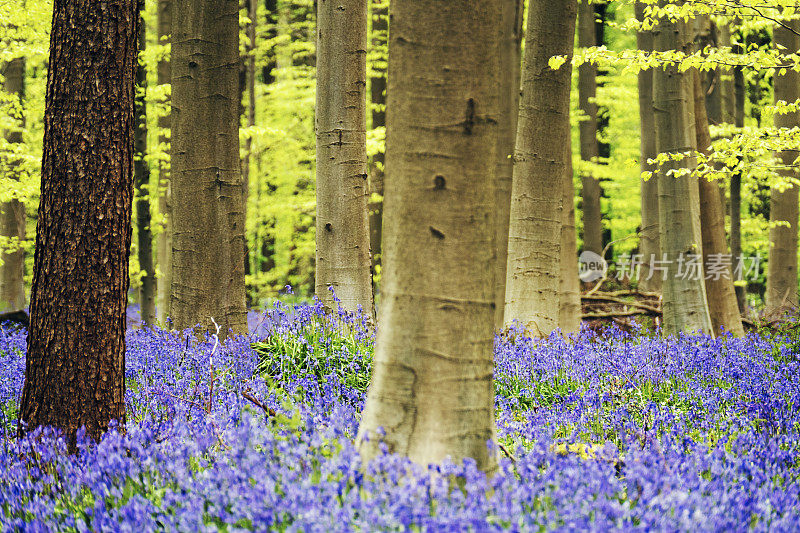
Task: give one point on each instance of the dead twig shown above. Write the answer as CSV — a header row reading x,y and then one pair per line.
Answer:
x,y
255,401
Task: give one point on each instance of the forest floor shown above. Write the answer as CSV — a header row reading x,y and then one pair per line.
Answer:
x,y
615,430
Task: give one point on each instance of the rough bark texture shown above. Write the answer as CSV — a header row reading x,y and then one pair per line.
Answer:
x,y
569,316
380,31
75,367
685,306
141,172
534,243
649,240
164,240
587,91
12,213
782,268
722,304
343,258
207,199
431,387
510,63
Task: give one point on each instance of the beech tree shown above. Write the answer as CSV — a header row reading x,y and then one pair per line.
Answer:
x,y
12,212
343,257
722,305
141,171
164,238
649,240
206,180
534,270
569,317
684,295
782,266
510,63
75,364
431,389
587,92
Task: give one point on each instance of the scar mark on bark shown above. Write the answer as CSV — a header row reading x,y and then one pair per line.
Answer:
x,y
469,121
436,233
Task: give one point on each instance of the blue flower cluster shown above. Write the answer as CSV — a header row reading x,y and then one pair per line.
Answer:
x,y
619,432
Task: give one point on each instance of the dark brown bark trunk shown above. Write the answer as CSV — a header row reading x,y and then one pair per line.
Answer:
x,y
208,208
141,172
587,91
380,30
75,369
722,305
12,213
250,83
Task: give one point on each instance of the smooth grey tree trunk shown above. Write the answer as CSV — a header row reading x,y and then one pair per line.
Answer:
x,y
164,238
431,388
343,263
510,64
684,296
12,213
207,196
569,318
782,266
587,91
534,272
649,240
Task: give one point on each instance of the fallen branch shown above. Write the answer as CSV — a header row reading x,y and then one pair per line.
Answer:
x,y
255,401
506,452
605,298
617,314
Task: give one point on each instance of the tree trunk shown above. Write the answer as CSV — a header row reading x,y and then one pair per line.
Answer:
x,y
380,31
649,241
736,182
208,209
431,387
343,262
141,172
782,266
534,246
75,367
684,296
587,91
164,240
722,304
712,87
726,79
12,213
569,317
250,83
510,63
